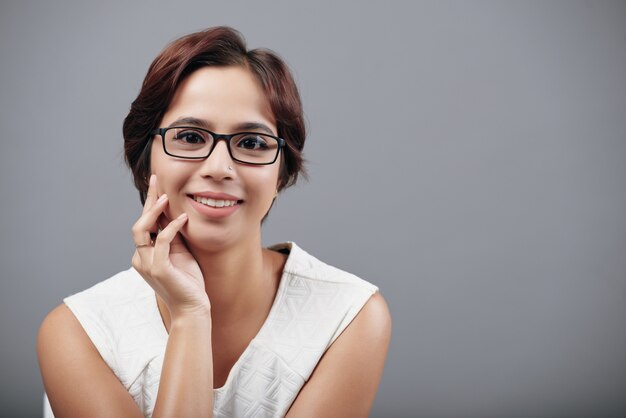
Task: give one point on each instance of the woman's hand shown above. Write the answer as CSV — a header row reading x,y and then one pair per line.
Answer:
x,y
168,266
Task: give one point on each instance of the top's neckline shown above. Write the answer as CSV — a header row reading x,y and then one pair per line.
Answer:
x,y
292,248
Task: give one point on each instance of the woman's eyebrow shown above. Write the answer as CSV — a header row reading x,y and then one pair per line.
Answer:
x,y
245,126
253,126
190,121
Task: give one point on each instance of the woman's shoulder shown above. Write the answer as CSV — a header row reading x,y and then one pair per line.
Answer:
x,y
116,321
334,331
119,315
303,265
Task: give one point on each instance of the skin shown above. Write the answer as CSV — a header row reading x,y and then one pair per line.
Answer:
x,y
215,284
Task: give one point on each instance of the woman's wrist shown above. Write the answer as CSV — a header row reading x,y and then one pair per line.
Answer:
x,y
196,315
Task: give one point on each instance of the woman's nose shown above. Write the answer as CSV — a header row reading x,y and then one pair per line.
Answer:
x,y
219,165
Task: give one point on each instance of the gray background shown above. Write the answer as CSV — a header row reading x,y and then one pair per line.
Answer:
x,y
467,157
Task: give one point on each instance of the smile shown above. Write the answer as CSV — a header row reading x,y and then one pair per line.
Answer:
x,y
215,203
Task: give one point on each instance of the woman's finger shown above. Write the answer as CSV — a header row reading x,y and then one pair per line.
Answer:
x,y
151,196
147,224
176,245
162,244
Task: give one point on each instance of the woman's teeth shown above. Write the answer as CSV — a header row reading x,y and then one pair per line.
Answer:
x,y
214,203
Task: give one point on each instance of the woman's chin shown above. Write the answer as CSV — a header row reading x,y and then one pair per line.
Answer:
x,y
208,239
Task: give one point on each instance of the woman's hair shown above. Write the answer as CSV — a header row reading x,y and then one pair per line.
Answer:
x,y
219,46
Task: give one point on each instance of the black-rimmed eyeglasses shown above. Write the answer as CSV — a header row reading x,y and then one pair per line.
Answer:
x,y
195,143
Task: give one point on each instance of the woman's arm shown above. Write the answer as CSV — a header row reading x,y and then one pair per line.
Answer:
x,y
186,387
346,379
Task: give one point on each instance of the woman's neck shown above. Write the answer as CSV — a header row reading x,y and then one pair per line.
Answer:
x,y
239,280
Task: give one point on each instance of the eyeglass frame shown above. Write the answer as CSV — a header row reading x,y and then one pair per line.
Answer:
x,y
216,138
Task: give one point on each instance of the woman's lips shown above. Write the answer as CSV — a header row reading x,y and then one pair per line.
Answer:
x,y
217,206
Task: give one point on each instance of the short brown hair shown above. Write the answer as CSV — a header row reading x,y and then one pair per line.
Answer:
x,y
219,46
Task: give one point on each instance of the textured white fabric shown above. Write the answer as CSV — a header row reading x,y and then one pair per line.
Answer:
x,y
314,303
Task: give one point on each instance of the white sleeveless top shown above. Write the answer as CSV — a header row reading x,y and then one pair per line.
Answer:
x,y
314,303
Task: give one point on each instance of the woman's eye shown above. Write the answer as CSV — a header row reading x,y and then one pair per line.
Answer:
x,y
252,142
189,137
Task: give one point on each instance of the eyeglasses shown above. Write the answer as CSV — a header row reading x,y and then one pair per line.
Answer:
x,y
195,143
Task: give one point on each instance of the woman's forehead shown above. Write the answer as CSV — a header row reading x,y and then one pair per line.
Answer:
x,y
221,96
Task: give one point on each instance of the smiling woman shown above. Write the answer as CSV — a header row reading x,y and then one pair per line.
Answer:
x,y
207,322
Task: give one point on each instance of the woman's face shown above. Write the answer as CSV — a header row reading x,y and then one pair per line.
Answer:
x,y
224,99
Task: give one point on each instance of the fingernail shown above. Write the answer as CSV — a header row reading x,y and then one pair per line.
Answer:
x,y
152,179
162,198
182,216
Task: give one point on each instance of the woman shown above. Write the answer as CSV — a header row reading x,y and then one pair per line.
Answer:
x,y
273,331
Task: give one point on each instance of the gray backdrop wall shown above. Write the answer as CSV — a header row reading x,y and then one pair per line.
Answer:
x,y
467,157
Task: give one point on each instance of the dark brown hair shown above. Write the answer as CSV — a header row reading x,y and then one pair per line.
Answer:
x,y
219,46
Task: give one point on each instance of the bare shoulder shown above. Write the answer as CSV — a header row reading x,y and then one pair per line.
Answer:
x,y
346,379
371,326
58,319
77,380
374,319
60,331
